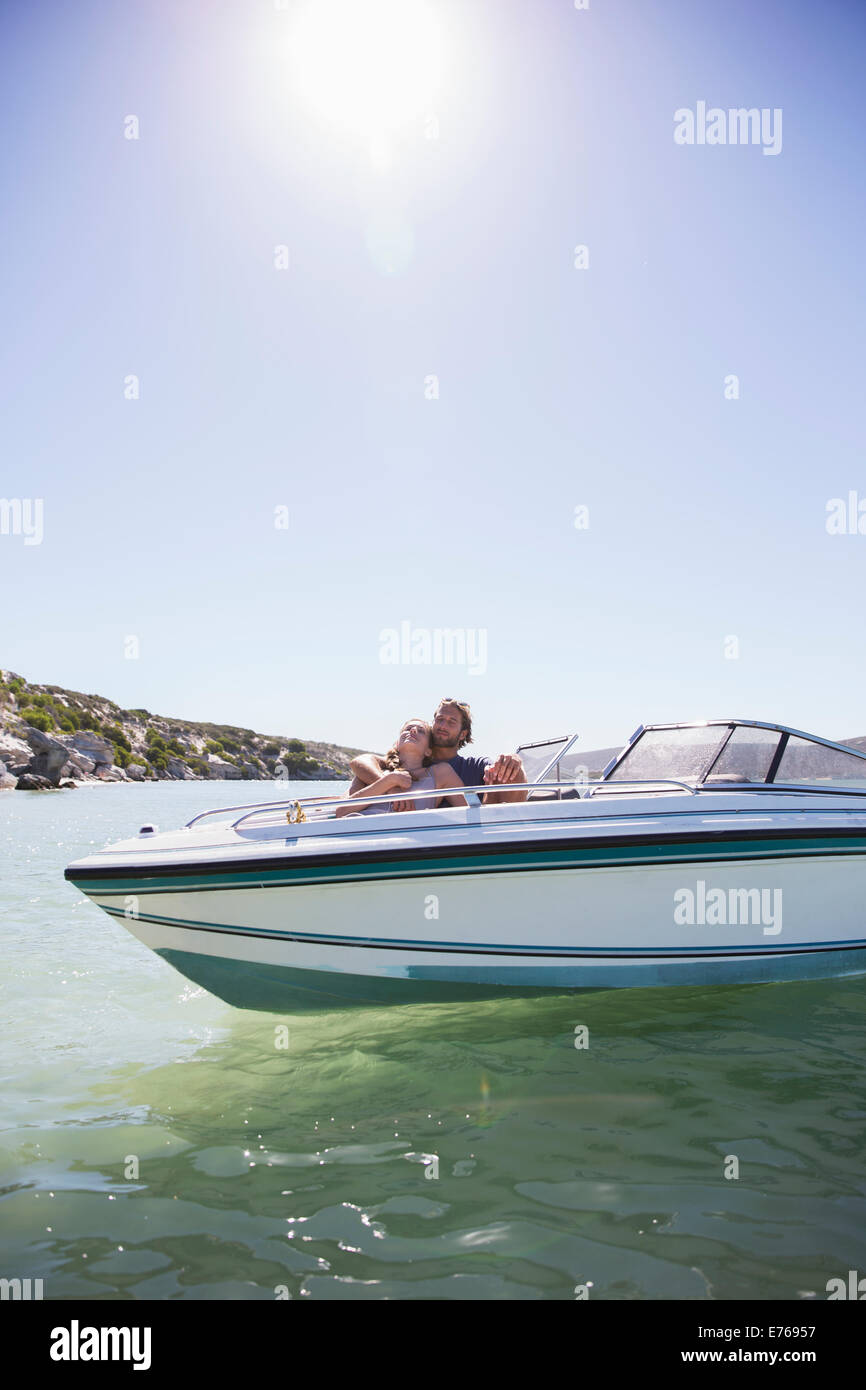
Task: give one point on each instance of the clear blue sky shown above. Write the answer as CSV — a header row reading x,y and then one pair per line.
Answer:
x,y
450,256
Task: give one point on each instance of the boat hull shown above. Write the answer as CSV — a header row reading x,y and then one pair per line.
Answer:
x,y
278,943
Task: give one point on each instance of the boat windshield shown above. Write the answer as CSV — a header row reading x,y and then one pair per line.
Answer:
x,y
805,761
543,759
724,753
682,754
746,757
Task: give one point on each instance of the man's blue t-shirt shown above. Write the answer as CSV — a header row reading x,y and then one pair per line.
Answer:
x,y
469,770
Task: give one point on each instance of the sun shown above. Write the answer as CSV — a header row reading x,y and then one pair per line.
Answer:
x,y
367,66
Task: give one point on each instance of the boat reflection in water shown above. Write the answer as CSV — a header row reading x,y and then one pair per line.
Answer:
x,y
709,852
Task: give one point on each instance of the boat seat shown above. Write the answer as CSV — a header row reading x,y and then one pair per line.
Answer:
x,y
542,794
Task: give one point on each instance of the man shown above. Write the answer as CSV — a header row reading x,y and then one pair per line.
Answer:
x,y
452,730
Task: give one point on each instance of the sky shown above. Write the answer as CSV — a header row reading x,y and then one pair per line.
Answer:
x,y
298,354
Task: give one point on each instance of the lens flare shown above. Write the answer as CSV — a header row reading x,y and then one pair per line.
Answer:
x,y
367,67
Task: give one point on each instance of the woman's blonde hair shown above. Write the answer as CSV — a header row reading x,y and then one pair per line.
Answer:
x,y
392,759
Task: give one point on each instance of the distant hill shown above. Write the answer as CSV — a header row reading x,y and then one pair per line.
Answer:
x,y
50,736
103,742
593,760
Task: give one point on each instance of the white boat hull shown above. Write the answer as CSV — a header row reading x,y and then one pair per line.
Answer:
x,y
465,934
637,882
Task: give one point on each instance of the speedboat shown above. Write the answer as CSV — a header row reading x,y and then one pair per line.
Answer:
x,y
713,852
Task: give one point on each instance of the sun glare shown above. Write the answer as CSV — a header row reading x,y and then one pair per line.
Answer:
x,y
369,66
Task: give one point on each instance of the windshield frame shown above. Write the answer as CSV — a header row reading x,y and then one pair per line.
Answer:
x,y
730,725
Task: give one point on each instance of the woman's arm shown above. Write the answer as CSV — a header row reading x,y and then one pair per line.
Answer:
x,y
444,776
392,781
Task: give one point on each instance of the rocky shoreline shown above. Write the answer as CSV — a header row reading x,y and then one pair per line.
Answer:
x,y
55,738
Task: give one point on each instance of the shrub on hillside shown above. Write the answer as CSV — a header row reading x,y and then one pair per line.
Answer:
x,y
37,719
295,763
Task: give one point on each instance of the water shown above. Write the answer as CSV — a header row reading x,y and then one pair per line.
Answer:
x,y
156,1143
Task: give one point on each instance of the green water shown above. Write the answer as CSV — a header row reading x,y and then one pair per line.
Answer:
x,y
157,1143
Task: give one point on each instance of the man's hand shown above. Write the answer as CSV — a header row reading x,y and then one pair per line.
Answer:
x,y
402,783
507,768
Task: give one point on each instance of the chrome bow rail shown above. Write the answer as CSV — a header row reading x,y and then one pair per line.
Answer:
x,y
319,808
325,807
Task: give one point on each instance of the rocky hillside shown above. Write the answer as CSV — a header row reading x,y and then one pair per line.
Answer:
x,y
52,737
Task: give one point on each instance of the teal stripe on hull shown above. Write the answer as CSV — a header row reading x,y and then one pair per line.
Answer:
x,y
619,857
484,948
280,989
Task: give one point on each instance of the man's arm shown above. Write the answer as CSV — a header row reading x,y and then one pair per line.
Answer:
x,y
357,800
507,768
446,780
367,768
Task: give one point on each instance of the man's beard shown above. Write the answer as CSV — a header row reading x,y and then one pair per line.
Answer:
x,y
444,741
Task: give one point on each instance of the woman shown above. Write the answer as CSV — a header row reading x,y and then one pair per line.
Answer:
x,y
406,770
